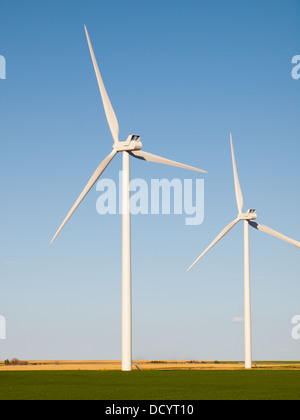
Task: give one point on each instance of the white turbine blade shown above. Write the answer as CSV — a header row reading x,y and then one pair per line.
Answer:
x,y
101,168
222,234
140,154
110,114
238,191
274,233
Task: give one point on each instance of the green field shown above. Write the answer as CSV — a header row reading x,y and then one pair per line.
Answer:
x,y
150,385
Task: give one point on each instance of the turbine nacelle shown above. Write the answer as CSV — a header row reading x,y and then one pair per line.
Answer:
x,y
250,215
132,143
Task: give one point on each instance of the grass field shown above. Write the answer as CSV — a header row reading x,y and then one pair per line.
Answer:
x,y
150,385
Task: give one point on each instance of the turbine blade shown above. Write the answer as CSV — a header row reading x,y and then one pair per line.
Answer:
x,y
238,191
101,168
110,114
222,234
274,233
140,154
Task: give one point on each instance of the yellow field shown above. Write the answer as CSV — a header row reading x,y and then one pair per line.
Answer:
x,y
143,365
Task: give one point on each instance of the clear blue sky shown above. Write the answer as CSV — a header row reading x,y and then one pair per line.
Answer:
x,y
183,75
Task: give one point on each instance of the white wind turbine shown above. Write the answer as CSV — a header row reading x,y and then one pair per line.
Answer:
x,y
248,220
131,147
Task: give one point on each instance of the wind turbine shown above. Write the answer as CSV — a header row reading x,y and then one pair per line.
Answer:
x,y
248,219
131,147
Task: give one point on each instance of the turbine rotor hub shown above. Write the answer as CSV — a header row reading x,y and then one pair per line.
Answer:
x,y
132,143
250,215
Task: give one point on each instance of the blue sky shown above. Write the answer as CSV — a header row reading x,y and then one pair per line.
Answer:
x,y
183,75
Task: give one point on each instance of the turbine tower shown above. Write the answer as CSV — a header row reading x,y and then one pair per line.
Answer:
x,y
248,219
131,147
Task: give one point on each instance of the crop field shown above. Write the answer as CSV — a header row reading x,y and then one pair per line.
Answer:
x,y
150,385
